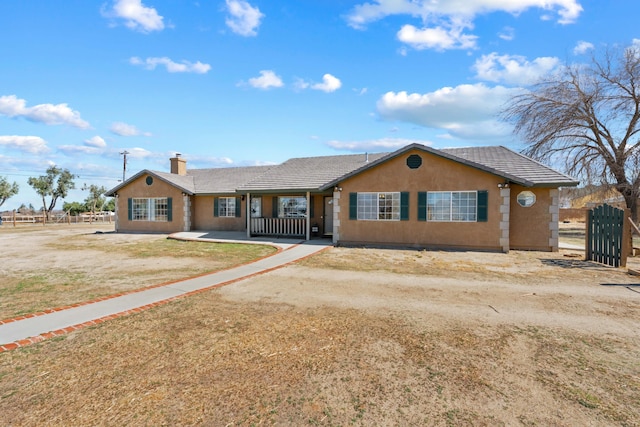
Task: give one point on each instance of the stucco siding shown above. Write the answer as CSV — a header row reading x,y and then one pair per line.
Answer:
x,y
204,219
435,174
530,226
139,188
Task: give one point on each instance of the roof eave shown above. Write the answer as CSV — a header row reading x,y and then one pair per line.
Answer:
x,y
113,191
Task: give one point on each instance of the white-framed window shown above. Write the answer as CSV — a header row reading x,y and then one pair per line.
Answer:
x,y
379,206
226,206
452,206
150,209
256,207
526,199
292,207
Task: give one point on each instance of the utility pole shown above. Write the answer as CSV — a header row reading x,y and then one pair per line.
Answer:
x,y
124,164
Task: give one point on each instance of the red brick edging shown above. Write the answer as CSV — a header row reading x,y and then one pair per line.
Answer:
x,y
45,336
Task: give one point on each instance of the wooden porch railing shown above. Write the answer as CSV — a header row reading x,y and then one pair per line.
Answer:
x,y
279,226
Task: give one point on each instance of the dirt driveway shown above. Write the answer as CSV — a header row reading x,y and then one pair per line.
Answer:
x,y
350,336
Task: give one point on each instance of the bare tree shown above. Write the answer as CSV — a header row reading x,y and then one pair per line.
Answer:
x,y
587,115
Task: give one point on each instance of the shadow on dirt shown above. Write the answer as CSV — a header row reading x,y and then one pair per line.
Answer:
x,y
625,285
574,263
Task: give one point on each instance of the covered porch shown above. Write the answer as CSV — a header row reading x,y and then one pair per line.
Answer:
x,y
292,215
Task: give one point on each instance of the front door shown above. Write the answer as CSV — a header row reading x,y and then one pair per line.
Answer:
x,y
328,215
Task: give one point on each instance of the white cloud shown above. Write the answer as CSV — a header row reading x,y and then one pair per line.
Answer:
x,y
124,129
83,149
382,144
93,145
95,141
171,66
582,47
139,153
267,80
432,11
465,111
513,69
329,84
50,114
244,19
300,84
444,22
137,16
28,144
438,38
507,33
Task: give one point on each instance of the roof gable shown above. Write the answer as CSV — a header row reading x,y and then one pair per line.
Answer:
x,y
323,172
497,160
184,183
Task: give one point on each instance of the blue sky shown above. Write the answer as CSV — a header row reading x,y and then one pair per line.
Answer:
x,y
235,83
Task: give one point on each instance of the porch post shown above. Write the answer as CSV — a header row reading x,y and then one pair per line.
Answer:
x,y
308,222
248,210
186,212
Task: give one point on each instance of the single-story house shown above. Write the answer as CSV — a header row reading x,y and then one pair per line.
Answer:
x,y
481,198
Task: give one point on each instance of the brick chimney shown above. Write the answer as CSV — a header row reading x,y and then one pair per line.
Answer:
x,y
178,165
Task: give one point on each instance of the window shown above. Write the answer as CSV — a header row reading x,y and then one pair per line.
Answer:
x,y
256,207
379,206
150,209
526,199
452,206
227,206
292,207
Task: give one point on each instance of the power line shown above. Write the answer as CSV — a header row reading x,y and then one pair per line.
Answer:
x,y
86,176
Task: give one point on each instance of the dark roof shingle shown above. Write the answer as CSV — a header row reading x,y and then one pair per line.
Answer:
x,y
323,172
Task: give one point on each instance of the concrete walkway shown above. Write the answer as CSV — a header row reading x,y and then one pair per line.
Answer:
x,y
23,331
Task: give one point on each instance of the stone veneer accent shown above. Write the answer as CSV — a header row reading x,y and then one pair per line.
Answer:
x,y
117,215
505,209
554,211
186,202
336,217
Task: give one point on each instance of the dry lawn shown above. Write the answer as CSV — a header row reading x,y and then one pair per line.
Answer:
x,y
355,337
59,265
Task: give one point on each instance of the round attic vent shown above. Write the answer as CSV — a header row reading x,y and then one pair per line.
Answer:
x,y
414,161
149,180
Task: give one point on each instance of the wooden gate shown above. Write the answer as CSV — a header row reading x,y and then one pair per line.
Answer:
x,y
607,237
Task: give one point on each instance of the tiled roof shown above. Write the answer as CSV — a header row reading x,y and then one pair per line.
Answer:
x,y
184,182
308,173
225,180
497,160
511,165
321,173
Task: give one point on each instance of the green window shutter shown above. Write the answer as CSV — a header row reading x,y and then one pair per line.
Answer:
x,y
483,205
169,209
353,206
215,207
238,207
404,206
130,208
274,207
311,209
422,206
